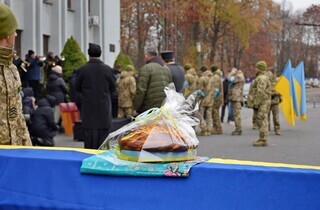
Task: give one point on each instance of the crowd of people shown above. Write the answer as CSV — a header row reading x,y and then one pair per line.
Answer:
x,y
102,93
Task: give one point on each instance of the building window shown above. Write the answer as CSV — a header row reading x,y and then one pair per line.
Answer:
x,y
112,48
17,44
69,4
45,44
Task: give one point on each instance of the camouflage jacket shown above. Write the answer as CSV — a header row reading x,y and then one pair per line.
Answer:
x,y
236,88
191,79
204,84
260,91
275,96
13,129
126,88
217,84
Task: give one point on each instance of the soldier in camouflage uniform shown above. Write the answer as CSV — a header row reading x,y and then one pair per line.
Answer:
x,y
260,99
205,86
191,78
13,129
254,119
275,101
217,87
236,83
126,88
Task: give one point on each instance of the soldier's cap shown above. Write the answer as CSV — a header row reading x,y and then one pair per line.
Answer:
x,y
262,65
8,21
129,68
204,68
214,68
187,66
167,55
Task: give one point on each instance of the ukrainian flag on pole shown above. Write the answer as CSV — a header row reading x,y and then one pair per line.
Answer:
x,y
300,88
285,86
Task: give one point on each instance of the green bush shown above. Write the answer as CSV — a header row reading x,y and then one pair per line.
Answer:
x,y
74,57
123,60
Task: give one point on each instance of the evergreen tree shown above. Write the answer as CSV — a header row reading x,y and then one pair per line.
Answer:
x,y
123,60
74,57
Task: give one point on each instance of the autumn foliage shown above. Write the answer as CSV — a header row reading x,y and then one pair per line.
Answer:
x,y
231,32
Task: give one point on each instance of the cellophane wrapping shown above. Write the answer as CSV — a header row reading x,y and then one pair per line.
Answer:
x,y
162,134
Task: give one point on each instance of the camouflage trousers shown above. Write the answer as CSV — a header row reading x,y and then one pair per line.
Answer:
x,y
274,109
262,121
125,112
205,124
254,118
236,108
216,119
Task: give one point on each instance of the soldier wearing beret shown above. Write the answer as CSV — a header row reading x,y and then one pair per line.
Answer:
x,y
13,129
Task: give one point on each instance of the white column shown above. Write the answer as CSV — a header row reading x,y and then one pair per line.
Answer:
x,y
38,26
78,25
85,23
111,30
63,23
56,44
29,35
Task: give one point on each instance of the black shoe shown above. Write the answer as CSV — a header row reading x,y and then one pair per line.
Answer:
x,y
46,142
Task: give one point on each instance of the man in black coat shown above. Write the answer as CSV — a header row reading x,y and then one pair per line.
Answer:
x,y
176,70
95,82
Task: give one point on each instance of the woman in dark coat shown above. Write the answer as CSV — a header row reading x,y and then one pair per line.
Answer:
x,y
95,82
57,88
43,126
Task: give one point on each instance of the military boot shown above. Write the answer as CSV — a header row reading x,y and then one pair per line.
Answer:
x,y
217,132
260,143
205,133
236,133
277,132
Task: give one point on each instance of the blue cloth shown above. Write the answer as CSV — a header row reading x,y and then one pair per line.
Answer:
x,y
216,93
109,164
44,179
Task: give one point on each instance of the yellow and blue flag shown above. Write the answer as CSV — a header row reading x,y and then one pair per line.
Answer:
x,y
300,88
285,86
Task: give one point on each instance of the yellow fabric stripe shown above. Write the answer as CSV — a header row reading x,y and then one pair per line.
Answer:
x,y
88,151
253,163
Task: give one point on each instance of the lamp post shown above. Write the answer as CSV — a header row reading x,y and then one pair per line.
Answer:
x,y
198,47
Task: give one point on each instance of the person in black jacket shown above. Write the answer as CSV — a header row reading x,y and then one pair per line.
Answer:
x,y
57,88
28,105
75,96
116,71
225,97
34,73
177,72
43,127
95,82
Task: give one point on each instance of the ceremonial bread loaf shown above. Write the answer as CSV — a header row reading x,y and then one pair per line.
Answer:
x,y
155,138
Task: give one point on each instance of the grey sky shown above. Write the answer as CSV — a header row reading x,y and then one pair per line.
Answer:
x,y
300,4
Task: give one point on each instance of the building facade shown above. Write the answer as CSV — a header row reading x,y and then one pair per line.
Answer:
x,y
45,25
